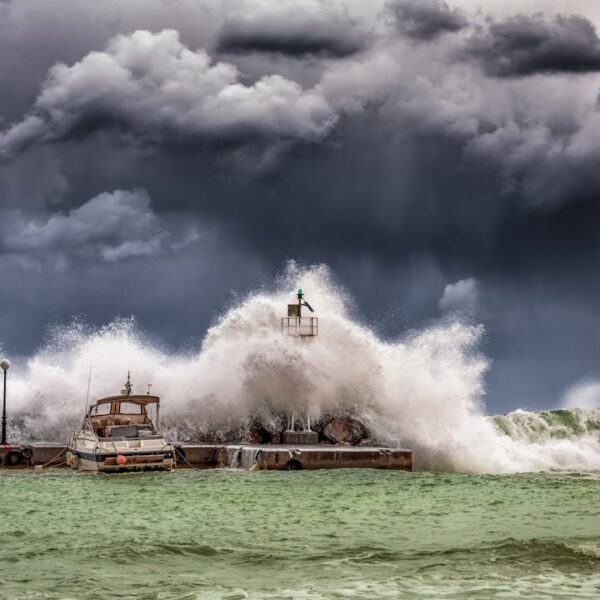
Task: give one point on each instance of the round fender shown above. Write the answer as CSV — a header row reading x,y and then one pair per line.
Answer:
x,y
293,465
14,458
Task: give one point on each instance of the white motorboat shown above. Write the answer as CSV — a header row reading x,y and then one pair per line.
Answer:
x,y
118,434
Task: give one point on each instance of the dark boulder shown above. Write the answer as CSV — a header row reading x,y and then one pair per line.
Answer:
x,y
347,430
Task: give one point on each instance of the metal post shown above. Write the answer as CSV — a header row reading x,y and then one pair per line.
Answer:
x,y
300,297
292,416
4,412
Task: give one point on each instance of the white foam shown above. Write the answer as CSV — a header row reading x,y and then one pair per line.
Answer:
x,y
424,391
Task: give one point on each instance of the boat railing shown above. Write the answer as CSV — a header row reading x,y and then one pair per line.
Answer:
x,y
157,436
85,438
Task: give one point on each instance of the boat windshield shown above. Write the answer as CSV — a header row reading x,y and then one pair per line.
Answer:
x,y
129,408
99,410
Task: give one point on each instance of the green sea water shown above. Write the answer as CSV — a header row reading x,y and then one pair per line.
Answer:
x,y
301,535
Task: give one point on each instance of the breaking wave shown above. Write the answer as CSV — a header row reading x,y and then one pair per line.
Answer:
x,y
424,391
547,425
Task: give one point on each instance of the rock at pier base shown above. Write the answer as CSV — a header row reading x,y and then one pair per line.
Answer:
x,y
346,430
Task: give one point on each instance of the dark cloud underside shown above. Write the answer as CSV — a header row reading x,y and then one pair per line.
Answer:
x,y
296,39
424,20
529,45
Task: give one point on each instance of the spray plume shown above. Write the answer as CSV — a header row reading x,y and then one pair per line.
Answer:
x,y
424,391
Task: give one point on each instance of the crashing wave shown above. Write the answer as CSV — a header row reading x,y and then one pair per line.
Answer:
x,y
424,391
547,425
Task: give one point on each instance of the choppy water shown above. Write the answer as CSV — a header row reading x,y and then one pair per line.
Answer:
x,y
304,535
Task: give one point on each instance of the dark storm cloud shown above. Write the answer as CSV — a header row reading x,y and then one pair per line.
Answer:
x,y
292,32
152,90
426,182
425,20
525,45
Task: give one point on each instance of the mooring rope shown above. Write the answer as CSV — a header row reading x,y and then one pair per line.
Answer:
x,y
63,451
185,460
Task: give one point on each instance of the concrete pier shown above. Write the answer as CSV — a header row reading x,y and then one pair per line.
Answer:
x,y
267,457
46,453
272,457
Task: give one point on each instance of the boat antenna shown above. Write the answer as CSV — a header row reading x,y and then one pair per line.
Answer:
x,y
87,396
127,390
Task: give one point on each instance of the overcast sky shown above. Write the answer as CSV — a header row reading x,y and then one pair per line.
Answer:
x,y
158,157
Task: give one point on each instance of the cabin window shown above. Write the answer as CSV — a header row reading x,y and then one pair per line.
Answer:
x,y
128,408
100,409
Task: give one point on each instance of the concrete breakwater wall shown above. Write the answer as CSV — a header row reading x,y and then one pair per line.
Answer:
x,y
268,457
317,457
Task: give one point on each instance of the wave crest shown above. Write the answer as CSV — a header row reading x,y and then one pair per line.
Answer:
x,y
424,391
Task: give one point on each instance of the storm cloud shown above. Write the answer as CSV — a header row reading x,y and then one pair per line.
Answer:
x,y
425,20
156,89
435,156
293,31
111,226
524,45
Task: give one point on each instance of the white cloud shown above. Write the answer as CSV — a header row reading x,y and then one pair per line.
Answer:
x,y
460,296
153,86
113,226
585,394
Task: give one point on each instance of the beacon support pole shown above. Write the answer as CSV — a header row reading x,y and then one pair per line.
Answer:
x,y
5,365
292,419
301,301
301,328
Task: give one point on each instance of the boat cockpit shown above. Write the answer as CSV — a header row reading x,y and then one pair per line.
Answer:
x,y
123,416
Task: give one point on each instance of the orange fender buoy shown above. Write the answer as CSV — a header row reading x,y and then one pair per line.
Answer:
x,y
121,460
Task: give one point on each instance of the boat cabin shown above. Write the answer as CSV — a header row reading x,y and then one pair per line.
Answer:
x,y
124,416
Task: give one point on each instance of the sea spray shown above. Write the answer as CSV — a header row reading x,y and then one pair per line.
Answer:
x,y
424,391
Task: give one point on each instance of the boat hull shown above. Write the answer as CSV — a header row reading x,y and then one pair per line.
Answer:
x,y
122,462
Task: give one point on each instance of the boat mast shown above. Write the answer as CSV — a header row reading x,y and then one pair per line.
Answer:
x,y
157,406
